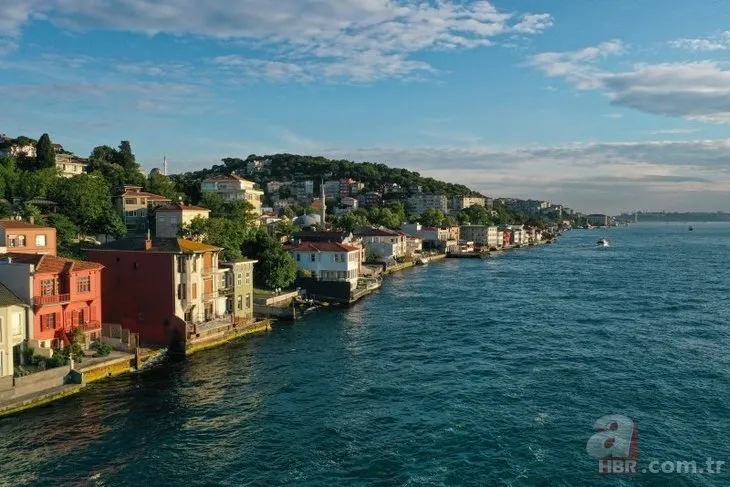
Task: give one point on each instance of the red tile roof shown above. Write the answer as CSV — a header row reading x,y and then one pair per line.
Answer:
x,y
132,191
51,263
19,224
322,247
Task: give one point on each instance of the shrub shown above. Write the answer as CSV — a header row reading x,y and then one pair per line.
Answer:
x,y
101,349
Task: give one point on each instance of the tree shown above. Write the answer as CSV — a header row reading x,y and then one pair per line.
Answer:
x,y
158,183
86,200
350,221
275,269
125,157
36,184
66,231
432,217
45,155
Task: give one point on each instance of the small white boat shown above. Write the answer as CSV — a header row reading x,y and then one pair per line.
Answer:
x,y
422,260
603,243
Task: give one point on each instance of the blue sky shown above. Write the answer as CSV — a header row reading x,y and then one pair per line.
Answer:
x,y
603,106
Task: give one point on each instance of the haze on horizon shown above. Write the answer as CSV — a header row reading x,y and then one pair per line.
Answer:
x,y
600,106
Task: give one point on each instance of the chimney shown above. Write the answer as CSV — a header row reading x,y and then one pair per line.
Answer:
x,y
148,242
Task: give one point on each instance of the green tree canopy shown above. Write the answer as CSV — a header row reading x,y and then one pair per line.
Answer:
x,y
275,268
86,200
432,217
158,183
45,155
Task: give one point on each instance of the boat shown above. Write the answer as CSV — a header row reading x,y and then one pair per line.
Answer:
x,y
602,243
422,260
690,228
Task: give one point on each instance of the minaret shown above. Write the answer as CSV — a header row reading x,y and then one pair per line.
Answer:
x,y
164,166
324,205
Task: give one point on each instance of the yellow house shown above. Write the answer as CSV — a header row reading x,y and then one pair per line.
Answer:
x,y
13,313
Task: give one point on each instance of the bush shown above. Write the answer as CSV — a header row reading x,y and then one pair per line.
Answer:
x,y
101,349
59,359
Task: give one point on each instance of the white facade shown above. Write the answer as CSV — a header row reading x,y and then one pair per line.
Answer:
x,y
459,203
169,218
12,333
385,243
481,235
328,261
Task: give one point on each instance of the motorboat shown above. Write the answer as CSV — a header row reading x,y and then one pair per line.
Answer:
x,y
691,228
422,260
602,243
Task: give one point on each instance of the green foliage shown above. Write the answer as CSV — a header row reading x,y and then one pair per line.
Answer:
x,y
118,167
86,199
275,268
475,215
158,183
67,232
28,212
432,218
101,349
45,155
350,221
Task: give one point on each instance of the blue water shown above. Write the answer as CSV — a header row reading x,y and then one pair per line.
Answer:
x,y
464,372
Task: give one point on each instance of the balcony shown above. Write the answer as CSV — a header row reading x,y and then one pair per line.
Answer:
x,y
89,325
51,299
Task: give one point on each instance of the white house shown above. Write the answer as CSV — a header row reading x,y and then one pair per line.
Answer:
x,y
383,243
483,235
328,261
169,218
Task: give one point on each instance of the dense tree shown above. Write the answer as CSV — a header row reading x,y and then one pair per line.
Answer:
x,y
275,268
86,200
432,217
350,221
158,183
45,155
36,184
476,215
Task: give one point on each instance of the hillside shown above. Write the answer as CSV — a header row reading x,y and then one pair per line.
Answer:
x,y
285,167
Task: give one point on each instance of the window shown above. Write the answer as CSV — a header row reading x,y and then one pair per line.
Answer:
x,y
82,317
48,322
47,287
12,241
181,264
40,240
131,201
299,257
84,284
181,291
21,240
314,257
195,290
1,334
238,279
248,277
194,261
248,300
239,303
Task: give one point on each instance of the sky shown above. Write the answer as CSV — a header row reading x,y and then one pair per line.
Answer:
x,y
601,106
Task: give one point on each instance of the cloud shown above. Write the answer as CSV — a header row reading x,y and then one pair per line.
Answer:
x,y
707,44
672,131
362,40
614,115
586,176
694,90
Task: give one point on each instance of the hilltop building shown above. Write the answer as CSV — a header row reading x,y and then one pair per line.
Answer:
x,y
234,188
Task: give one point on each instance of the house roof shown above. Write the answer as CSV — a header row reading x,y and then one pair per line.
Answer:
x,y
322,247
376,232
132,190
227,177
9,223
181,207
168,245
322,236
52,263
7,298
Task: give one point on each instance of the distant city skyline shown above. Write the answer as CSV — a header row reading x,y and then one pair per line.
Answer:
x,y
601,106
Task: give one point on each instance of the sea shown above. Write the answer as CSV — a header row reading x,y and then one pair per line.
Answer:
x,y
491,372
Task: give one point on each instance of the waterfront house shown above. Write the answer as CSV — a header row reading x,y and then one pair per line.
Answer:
x,y
414,245
234,188
64,294
236,288
24,237
328,261
481,235
382,243
133,205
597,220
169,218
163,289
445,239
13,322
